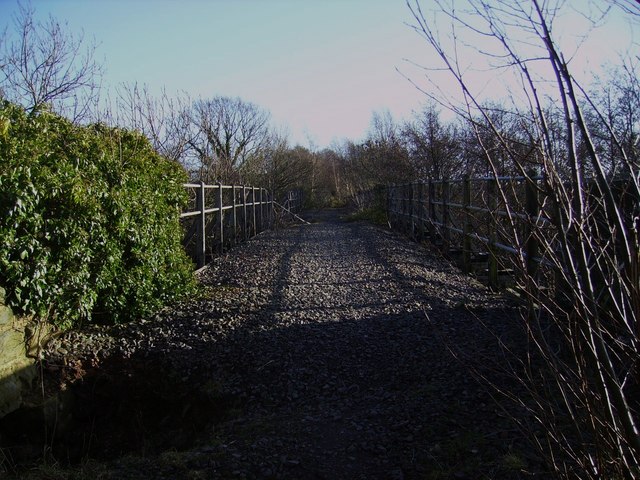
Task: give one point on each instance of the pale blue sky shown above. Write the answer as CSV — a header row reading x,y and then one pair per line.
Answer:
x,y
321,67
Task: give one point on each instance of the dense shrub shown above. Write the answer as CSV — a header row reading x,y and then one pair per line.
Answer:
x,y
89,224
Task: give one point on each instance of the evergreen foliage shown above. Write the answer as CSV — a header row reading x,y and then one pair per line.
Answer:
x,y
89,224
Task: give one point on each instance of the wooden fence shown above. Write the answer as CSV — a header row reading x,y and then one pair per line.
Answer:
x,y
469,219
222,215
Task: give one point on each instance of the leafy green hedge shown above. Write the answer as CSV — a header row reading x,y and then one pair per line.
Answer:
x,y
89,227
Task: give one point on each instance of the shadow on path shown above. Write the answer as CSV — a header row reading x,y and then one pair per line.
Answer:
x,y
322,351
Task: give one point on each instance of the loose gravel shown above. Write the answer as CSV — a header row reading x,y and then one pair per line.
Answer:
x,y
334,350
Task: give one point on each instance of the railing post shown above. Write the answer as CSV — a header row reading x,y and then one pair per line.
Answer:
x,y
532,206
446,234
234,216
201,253
270,208
261,211
253,210
466,227
244,213
220,218
492,266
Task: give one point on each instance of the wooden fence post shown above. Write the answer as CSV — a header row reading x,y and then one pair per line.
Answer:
x,y
532,206
220,219
466,226
492,265
201,231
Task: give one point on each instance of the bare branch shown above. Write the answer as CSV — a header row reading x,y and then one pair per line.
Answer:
x,y
228,132
591,237
43,64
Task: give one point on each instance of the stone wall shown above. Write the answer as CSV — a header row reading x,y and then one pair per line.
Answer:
x,y
17,371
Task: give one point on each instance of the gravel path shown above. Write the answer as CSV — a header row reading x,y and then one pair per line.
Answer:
x,y
326,353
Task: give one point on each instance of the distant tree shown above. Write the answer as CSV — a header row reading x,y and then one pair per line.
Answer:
x,y
380,159
275,168
296,168
334,174
434,148
42,64
614,117
227,133
500,140
282,168
165,120
383,129
383,157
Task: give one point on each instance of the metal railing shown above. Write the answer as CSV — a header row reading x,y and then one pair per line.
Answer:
x,y
222,216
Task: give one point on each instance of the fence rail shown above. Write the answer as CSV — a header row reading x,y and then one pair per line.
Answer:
x,y
222,215
293,200
472,217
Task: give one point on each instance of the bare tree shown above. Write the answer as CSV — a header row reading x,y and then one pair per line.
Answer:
x,y
585,330
44,64
228,132
293,168
383,128
334,173
617,97
274,169
434,146
383,157
165,120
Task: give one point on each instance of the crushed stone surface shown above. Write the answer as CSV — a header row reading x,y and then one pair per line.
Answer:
x,y
336,350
